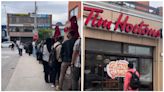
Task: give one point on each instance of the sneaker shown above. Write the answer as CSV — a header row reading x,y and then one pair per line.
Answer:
x,y
52,86
58,88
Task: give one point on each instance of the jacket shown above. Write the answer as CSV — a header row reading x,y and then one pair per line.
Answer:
x,y
77,48
67,50
58,50
46,54
127,79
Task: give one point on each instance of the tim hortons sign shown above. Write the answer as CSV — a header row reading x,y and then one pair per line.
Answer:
x,y
117,68
138,29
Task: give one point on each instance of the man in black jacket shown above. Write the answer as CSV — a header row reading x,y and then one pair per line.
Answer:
x,y
66,55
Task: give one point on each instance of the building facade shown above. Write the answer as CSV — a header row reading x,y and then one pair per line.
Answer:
x,y
21,26
130,31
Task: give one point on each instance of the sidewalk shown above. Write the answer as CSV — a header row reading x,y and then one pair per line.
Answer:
x,y
28,76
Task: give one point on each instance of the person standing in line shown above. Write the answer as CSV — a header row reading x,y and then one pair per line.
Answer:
x,y
33,48
56,63
46,49
76,64
30,50
17,45
131,81
40,51
66,55
20,49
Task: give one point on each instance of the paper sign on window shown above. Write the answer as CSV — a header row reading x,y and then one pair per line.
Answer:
x,y
117,68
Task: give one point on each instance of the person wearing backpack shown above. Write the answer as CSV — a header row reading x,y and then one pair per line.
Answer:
x,y
46,49
30,49
55,61
66,56
40,52
131,81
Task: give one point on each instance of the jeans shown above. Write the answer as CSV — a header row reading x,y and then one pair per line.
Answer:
x,y
34,52
64,67
20,52
55,72
46,69
76,73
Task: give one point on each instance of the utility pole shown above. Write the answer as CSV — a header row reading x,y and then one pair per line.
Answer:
x,y
35,18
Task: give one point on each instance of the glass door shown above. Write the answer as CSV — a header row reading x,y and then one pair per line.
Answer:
x,y
134,61
146,74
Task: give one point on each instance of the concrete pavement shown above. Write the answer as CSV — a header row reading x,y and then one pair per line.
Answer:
x,y
29,76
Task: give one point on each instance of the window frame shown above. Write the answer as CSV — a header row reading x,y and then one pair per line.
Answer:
x,y
73,10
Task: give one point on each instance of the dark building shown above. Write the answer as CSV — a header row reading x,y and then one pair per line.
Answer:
x,y
4,33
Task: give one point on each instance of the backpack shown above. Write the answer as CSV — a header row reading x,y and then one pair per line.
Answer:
x,y
134,81
80,51
40,53
52,57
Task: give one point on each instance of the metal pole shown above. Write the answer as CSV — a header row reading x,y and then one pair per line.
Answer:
x,y
35,18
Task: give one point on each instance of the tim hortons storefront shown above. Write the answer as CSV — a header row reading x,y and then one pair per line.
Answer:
x,y
113,35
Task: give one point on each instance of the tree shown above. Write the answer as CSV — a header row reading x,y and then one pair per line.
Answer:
x,y
44,33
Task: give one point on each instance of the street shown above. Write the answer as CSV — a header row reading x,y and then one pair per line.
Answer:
x,y
8,64
24,73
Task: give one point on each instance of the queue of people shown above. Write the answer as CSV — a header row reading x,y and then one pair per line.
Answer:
x,y
56,59
57,55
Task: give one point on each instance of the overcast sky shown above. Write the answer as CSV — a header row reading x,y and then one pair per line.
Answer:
x,y
59,10
156,3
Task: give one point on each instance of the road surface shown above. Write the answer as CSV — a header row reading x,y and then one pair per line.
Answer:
x,y
9,61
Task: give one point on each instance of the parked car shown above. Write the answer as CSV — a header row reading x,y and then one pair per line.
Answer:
x,y
7,44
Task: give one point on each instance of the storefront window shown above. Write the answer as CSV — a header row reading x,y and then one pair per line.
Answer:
x,y
137,50
13,20
100,52
28,29
146,73
131,49
143,50
134,61
103,46
95,74
74,12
